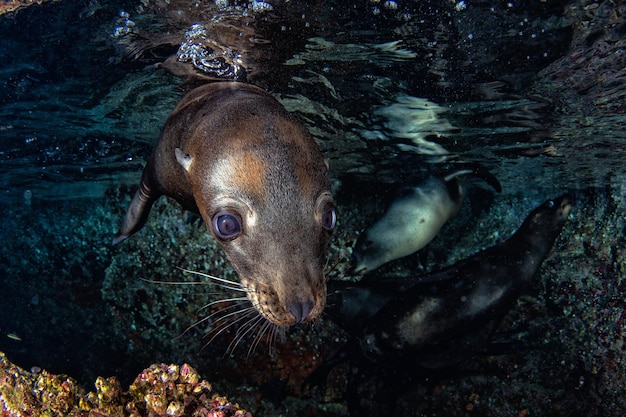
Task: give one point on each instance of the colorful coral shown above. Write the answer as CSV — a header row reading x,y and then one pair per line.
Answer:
x,y
160,390
10,6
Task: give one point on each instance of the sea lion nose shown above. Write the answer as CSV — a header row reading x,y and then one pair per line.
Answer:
x,y
301,309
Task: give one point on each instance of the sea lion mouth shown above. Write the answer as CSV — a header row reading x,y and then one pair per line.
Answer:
x,y
557,211
566,206
285,312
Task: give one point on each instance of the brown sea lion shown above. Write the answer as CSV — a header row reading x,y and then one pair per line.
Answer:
x,y
233,154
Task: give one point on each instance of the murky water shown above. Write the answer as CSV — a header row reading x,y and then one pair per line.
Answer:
x,y
533,91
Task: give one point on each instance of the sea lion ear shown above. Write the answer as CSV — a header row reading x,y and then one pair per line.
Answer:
x,y
183,159
327,164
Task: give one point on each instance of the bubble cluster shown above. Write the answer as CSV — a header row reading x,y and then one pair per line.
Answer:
x,y
125,25
260,6
207,56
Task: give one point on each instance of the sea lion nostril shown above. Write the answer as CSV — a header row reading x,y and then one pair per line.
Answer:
x,y
301,310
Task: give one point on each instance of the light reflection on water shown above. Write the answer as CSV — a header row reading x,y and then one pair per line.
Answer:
x,y
399,81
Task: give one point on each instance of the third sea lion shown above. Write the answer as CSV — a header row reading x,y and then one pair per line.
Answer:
x,y
423,325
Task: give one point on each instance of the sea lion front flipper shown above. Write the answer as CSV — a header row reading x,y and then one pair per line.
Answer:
x,y
137,213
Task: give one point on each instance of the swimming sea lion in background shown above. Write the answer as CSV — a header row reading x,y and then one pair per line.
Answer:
x,y
413,219
443,312
437,320
233,154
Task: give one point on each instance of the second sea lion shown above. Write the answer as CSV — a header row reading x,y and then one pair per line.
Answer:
x,y
413,219
233,154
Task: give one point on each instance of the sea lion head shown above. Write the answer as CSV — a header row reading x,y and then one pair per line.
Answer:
x,y
264,192
543,225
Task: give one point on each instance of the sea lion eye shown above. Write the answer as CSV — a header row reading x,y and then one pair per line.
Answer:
x,y
329,219
226,226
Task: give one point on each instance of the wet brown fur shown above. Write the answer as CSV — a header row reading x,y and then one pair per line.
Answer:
x,y
248,155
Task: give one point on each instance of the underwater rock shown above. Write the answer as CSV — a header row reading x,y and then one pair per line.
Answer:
x,y
590,79
160,390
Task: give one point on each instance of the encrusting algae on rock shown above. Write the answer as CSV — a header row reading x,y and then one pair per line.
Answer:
x,y
160,390
172,390
9,6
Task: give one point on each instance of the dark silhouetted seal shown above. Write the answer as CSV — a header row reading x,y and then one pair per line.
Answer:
x,y
413,219
435,321
231,153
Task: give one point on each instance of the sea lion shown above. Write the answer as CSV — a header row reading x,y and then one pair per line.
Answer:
x,y
413,219
437,320
233,154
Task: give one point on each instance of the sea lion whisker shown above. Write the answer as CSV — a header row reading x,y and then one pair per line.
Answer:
x,y
332,269
198,322
223,300
203,294
279,332
235,285
204,319
155,281
225,317
271,336
223,326
250,325
200,293
276,332
247,326
227,287
270,329
258,337
246,311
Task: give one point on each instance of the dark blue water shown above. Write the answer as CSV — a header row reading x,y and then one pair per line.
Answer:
x,y
534,91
